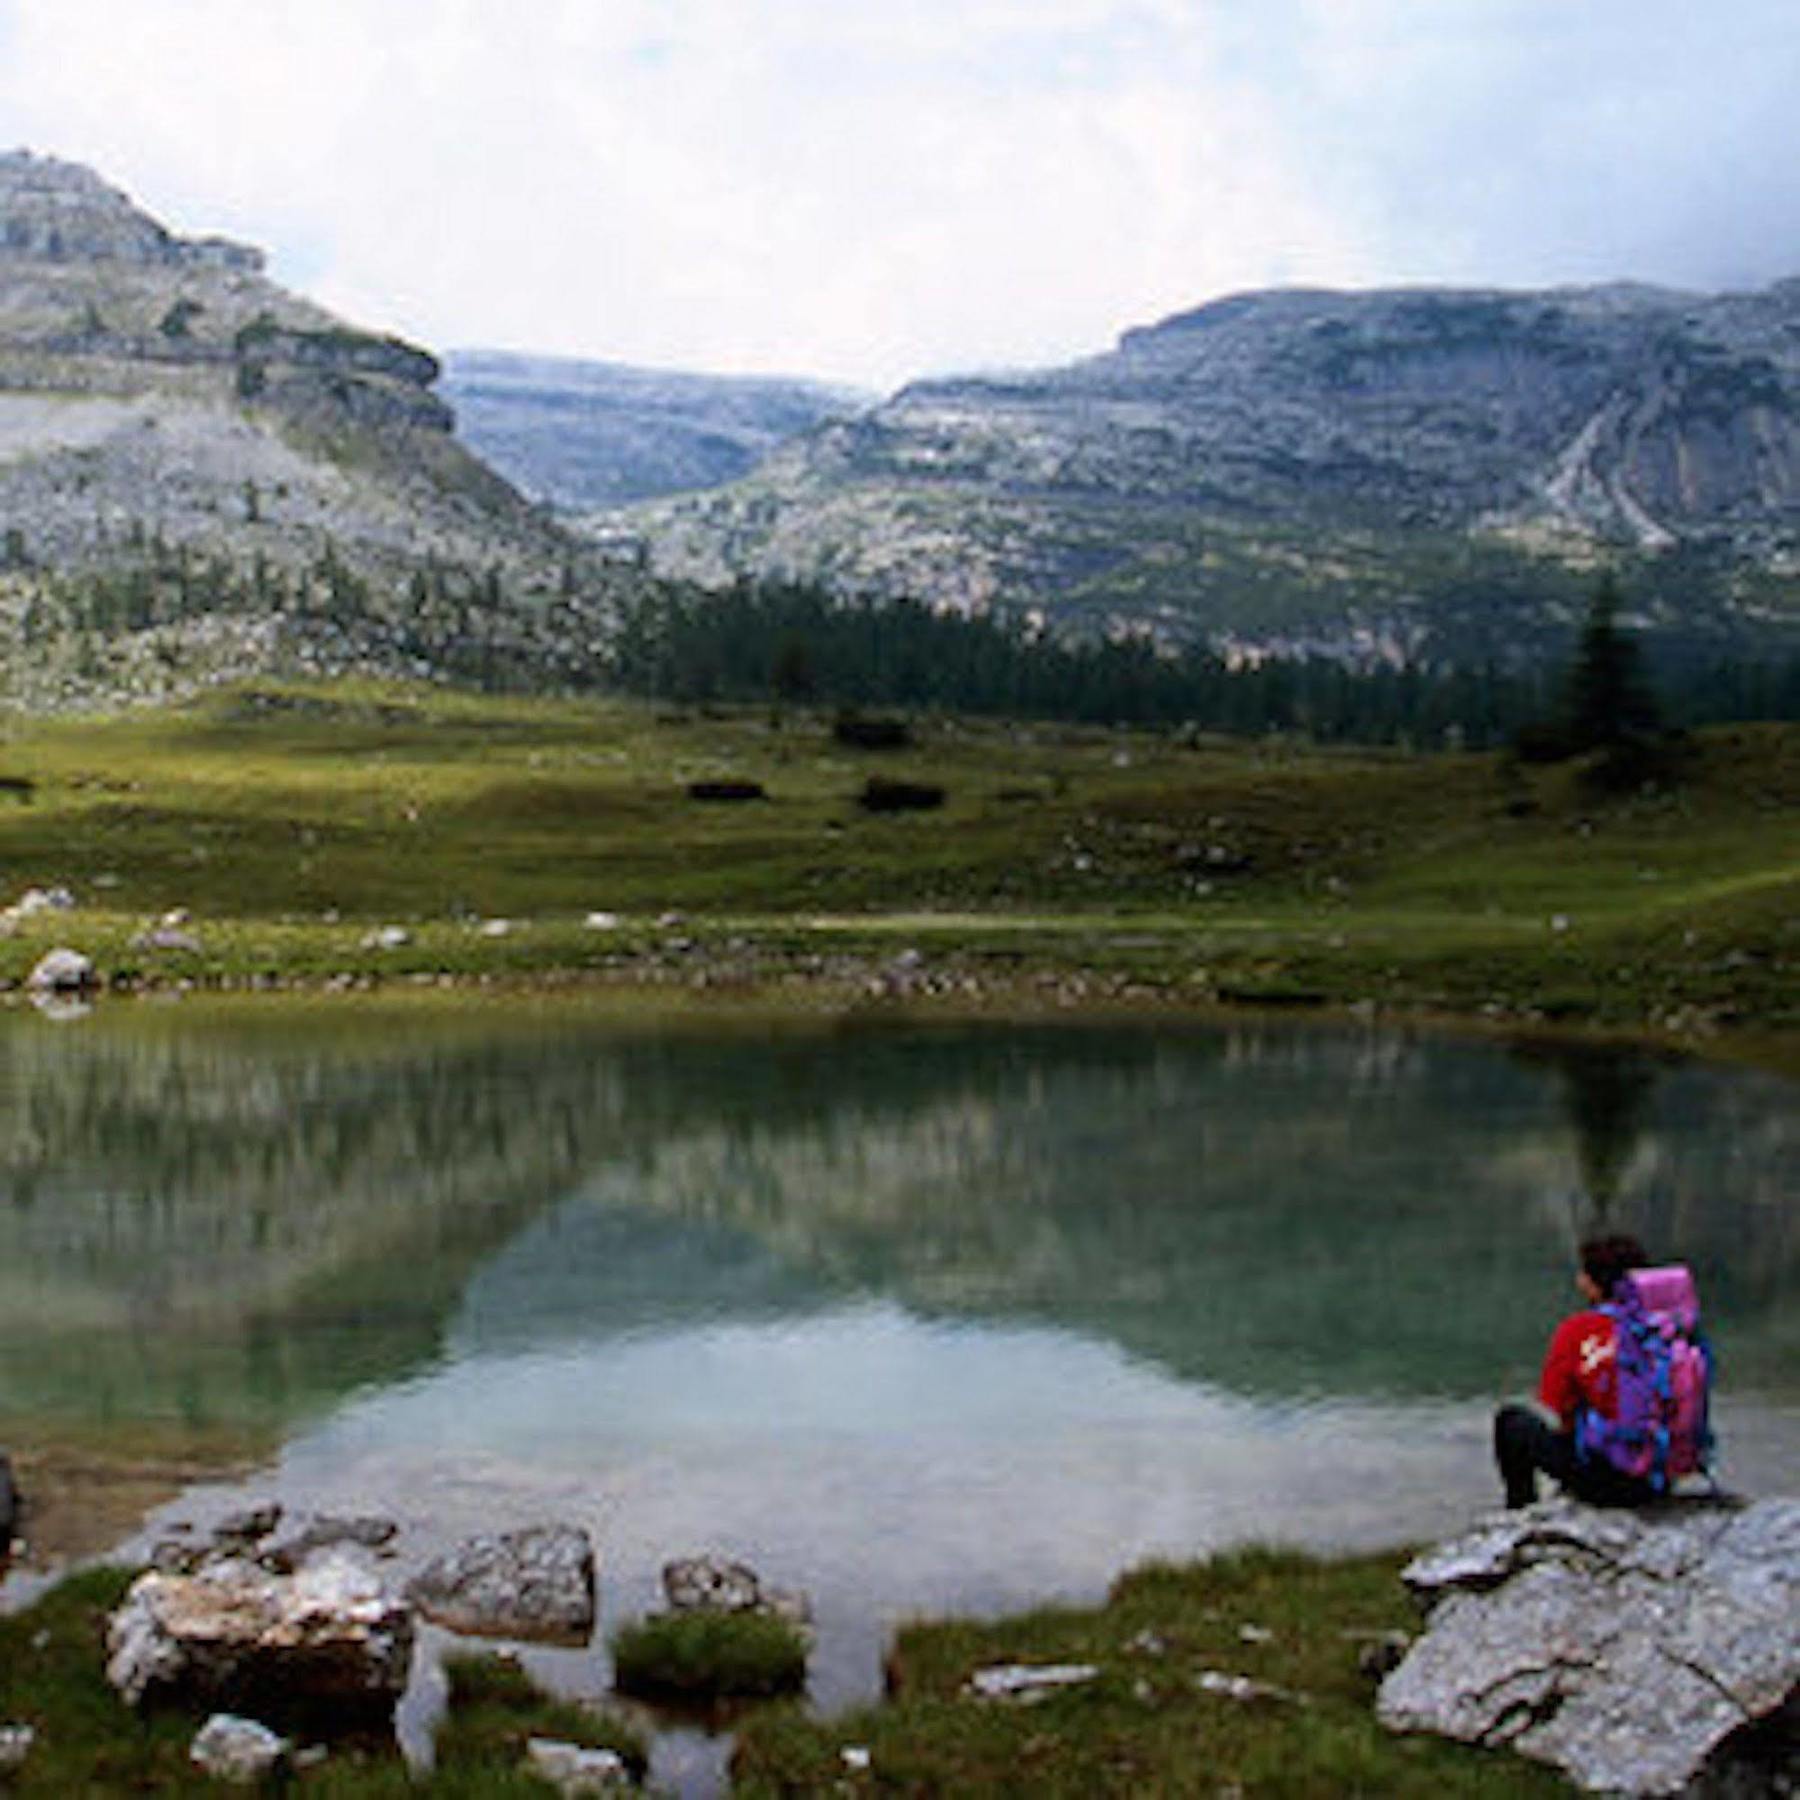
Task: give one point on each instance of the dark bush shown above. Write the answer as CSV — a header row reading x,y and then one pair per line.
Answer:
x,y
881,795
860,731
726,790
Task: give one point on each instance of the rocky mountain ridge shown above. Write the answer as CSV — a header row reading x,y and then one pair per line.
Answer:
x,y
581,435
203,474
1298,463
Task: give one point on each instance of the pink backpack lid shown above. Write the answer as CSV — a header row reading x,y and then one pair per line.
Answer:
x,y
1668,1290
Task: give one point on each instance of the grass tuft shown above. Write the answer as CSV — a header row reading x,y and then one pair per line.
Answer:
x,y
704,1655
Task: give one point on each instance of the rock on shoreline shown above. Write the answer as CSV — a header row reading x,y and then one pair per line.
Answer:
x,y
1635,1651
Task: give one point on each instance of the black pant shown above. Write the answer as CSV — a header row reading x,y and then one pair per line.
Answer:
x,y
1524,1445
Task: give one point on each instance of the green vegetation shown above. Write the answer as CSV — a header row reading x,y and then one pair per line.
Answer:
x,y
706,1655
52,1677
495,1707
1153,1721
797,644
1149,1723
295,822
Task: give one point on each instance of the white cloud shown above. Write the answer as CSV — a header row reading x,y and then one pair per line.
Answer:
x,y
873,191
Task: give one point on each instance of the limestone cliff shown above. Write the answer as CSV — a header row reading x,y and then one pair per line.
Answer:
x,y
203,474
1290,463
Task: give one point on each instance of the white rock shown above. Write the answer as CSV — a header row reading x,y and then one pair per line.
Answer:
x,y
61,971
238,1750
602,921
335,1632
1027,1683
573,1770
15,1745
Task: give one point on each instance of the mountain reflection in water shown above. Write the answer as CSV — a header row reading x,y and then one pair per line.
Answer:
x,y
1024,1304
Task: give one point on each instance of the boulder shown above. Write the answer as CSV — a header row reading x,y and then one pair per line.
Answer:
x,y
331,1643
324,1532
534,1584
1635,1651
710,1584
239,1751
716,1584
62,971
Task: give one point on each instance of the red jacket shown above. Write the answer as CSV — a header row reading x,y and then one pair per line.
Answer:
x,y
1580,1369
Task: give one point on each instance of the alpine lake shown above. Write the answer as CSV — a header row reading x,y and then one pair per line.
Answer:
x,y
918,1318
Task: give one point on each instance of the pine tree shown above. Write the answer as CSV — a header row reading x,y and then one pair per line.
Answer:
x,y
1610,704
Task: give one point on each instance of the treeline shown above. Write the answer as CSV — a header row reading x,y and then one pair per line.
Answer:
x,y
797,644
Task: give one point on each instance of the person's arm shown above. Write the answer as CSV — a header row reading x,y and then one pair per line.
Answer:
x,y
1559,1386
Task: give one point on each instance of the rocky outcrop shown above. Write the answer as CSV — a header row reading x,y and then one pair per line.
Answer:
x,y
331,1644
533,1584
57,211
1637,1652
1300,469
233,478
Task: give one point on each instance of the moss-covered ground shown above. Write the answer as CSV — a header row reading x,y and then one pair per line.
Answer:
x,y
1068,866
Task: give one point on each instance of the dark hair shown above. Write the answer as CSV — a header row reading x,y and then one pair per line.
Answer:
x,y
1606,1261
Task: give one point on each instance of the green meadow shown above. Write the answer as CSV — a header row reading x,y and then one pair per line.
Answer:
x,y
292,824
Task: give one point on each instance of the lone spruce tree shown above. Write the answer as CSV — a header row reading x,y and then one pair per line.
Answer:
x,y
1612,713
1610,703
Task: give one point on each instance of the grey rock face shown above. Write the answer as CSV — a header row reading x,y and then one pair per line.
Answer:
x,y
59,211
333,1641
534,1584
239,1751
163,402
1624,1648
1310,447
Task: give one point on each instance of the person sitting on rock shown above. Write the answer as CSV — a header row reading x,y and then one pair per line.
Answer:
x,y
1580,1374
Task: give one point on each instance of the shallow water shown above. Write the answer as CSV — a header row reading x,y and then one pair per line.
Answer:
x,y
916,1319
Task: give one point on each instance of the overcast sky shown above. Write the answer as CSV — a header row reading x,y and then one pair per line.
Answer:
x,y
875,189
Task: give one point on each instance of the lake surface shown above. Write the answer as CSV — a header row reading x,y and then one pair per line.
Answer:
x,y
916,1319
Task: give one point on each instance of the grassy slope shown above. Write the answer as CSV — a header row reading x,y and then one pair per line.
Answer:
x,y
1147,1724
291,821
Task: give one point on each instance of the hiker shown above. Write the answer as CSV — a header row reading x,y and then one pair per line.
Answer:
x,y
1627,1387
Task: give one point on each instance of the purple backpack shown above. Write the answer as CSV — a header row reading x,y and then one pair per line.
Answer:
x,y
1664,1382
